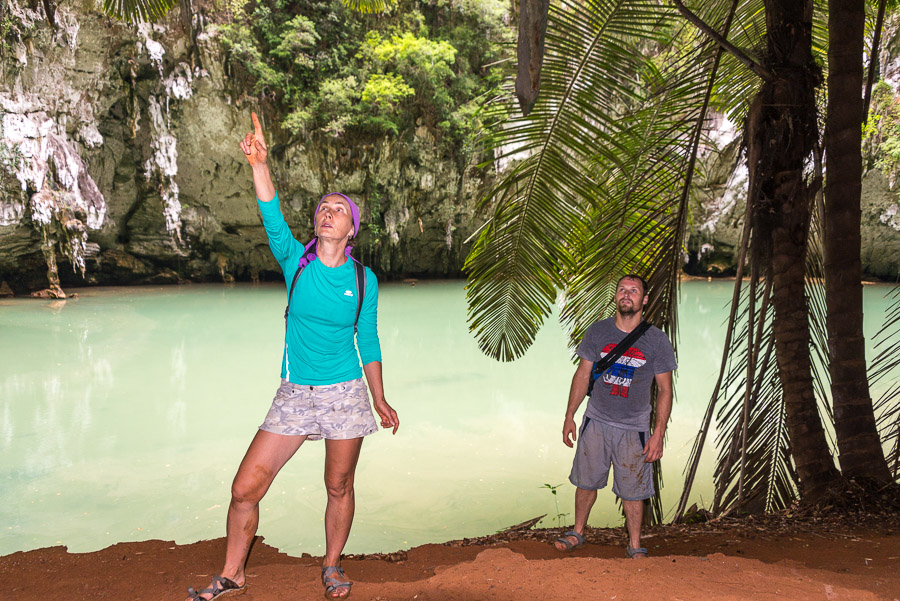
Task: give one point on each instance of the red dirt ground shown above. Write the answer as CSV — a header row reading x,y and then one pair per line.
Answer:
x,y
696,563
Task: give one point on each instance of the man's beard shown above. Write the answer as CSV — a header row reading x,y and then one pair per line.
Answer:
x,y
627,311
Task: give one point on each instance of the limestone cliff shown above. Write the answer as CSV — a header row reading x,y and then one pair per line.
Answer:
x,y
119,163
717,214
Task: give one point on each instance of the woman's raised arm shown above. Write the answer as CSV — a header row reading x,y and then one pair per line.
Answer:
x,y
254,147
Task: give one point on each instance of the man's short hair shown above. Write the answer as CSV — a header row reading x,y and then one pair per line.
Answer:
x,y
634,276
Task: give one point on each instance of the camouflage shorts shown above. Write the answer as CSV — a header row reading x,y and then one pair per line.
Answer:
x,y
336,411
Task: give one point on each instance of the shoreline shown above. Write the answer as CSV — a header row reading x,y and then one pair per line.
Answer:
x,y
828,557
73,292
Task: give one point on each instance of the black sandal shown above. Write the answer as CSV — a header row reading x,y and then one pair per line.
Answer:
x,y
569,545
221,586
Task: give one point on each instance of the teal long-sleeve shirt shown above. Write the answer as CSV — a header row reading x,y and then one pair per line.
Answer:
x,y
318,344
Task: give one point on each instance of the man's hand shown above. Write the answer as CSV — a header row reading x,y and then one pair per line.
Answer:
x,y
254,144
653,450
387,414
576,395
569,432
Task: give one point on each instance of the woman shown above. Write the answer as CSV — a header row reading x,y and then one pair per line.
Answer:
x,y
322,394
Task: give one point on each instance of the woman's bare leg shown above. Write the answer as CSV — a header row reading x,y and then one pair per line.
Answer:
x,y
341,457
266,456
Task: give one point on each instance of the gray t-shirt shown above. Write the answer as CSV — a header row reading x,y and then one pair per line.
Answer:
x,y
621,396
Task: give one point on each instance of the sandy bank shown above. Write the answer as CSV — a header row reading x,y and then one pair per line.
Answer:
x,y
713,561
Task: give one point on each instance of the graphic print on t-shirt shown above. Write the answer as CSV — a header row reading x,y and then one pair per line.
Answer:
x,y
621,373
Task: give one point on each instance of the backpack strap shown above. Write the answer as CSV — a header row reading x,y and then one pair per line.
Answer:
x,y
611,357
359,274
360,290
304,261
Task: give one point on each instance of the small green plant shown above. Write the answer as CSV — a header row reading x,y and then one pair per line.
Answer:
x,y
553,491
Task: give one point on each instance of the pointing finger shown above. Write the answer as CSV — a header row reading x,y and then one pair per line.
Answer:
x,y
257,128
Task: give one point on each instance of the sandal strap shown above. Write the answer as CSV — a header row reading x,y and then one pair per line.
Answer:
x,y
219,585
569,545
579,537
331,583
329,570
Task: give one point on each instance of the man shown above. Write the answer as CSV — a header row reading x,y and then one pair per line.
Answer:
x,y
616,424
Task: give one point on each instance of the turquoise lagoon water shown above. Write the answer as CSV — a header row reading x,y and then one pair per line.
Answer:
x,y
124,414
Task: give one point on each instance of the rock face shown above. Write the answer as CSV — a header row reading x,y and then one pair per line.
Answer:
x,y
880,227
713,236
119,163
717,216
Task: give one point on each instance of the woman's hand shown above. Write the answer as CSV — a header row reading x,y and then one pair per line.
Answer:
x,y
387,414
376,387
254,144
255,149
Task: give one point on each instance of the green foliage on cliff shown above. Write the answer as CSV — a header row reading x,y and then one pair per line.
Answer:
x,y
11,160
333,71
13,29
881,135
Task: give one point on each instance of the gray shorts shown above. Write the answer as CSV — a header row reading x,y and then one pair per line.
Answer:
x,y
336,411
600,445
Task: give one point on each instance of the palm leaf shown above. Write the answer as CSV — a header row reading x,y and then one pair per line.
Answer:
x,y
818,309
753,436
751,395
543,205
368,6
736,85
133,11
883,371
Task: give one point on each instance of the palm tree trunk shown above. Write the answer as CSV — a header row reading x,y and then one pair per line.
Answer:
x,y
783,128
858,442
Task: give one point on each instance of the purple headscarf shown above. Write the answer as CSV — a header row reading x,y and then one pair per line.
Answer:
x,y
309,253
354,210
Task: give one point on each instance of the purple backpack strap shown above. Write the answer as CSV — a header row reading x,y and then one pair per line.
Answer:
x,y
305,259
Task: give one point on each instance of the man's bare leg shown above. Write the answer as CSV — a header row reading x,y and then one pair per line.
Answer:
x,y
341,457
584,501
265,457
634,516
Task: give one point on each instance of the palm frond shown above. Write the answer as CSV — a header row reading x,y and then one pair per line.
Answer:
x,y
820,34
753,435
883,372
737,85
368,6
134,11
818,332
543,205
752,430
